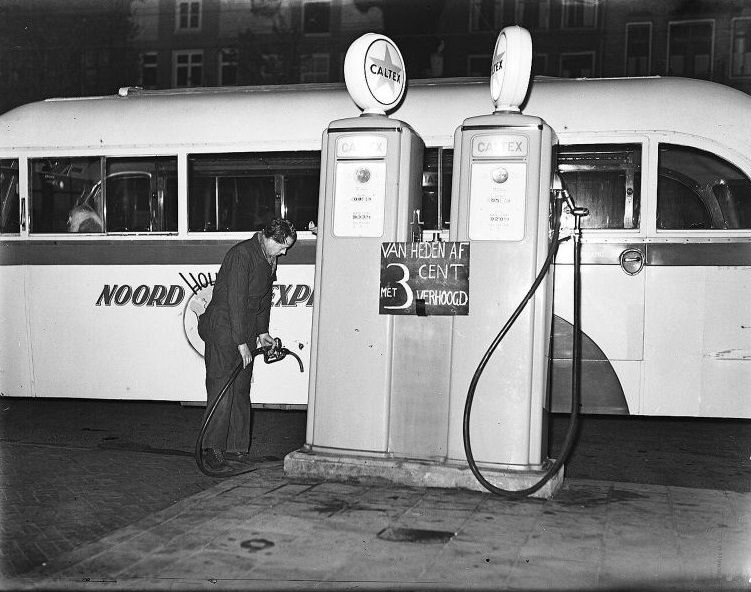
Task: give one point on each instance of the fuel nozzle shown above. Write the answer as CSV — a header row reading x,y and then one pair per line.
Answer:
x,y
273,353
559,189
578,214
277,352
561,193
417,225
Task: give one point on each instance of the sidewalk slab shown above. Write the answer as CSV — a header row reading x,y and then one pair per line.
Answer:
x,y
262,531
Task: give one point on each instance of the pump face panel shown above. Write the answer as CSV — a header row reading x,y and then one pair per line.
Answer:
x,y
497,200
498,186
360,196
360,185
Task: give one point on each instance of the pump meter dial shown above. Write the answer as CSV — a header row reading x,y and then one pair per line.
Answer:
x,y
362,175
500,175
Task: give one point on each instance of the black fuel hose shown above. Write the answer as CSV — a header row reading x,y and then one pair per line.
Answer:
x,y
576,369
270,354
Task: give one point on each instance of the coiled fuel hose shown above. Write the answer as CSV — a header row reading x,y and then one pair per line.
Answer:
x,y
578,213
270,355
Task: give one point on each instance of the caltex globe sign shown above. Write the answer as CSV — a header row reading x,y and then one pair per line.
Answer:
x,y
510,68
374,73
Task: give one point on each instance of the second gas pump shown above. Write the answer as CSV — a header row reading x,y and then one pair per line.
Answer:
x,y
502,204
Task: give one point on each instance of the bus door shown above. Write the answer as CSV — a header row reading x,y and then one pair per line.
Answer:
x,y
605,177
697,312
15,380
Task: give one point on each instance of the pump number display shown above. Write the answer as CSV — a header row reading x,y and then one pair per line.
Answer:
x,y
429,278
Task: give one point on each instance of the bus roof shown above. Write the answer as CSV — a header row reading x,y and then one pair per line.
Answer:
x,y
294,117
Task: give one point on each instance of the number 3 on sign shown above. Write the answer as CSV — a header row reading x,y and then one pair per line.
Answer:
x,y
403,282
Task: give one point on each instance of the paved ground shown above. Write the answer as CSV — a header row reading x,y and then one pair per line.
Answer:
x,y
99,491
262,531
72,471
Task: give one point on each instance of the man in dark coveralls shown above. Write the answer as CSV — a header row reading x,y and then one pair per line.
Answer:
x,y
236,319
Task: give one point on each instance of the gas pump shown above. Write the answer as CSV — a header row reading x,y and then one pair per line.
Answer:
x,y
370,197
391,361
501,204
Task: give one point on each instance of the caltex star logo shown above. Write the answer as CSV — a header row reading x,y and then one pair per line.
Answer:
x,y
497,64
385,75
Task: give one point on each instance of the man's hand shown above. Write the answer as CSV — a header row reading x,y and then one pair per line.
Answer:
x,y
266,340
245,354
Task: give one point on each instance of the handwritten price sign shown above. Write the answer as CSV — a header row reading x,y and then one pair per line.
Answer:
x,y
424,278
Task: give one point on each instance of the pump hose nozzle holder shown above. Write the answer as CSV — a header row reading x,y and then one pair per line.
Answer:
x,y
271,354
552,469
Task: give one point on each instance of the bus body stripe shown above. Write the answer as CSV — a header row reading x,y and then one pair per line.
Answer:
x,y
700,254
673,254
136,252
198,252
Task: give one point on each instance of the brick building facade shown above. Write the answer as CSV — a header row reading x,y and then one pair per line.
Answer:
x,y
80,47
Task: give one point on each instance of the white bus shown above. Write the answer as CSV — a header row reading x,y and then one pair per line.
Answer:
x,y
116,212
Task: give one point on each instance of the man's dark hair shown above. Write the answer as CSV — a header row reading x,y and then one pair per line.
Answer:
x,y
90,225
280,230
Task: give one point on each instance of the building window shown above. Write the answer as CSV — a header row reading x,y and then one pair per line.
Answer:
x,y
741,40
638,49
316,17
314,68
189,15
188,68
272,69
579,14
148,61
478,65
94,61
228,67
690,49
578,65
539,64
485,15
533,14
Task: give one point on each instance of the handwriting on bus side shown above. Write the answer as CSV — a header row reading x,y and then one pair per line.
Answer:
x,y
283,294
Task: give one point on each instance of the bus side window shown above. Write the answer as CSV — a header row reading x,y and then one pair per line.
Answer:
x,y
698,190
436,188
62,192
301,198
679,205
10,222
606,179
141,194
244,191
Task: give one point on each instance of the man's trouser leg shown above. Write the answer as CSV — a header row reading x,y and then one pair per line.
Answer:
x,y
241,414
229,428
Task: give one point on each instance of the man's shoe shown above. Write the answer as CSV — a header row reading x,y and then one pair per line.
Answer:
x,y
214,459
